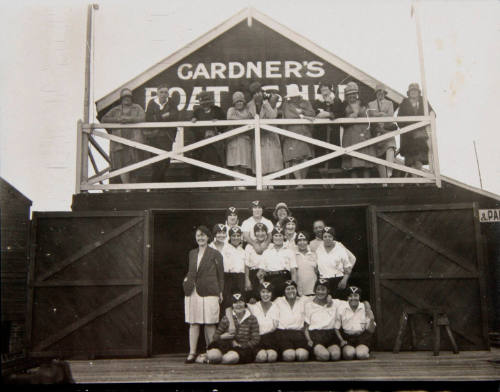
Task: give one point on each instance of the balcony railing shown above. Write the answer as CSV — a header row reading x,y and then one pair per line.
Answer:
x,y
88,134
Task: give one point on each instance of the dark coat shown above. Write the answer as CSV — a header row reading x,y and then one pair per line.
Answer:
x,y
154,114
413,143
209,278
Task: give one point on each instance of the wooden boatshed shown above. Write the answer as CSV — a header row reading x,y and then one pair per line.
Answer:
x,y
105,279
14,224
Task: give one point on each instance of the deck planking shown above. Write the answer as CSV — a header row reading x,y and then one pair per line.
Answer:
x,y
383,366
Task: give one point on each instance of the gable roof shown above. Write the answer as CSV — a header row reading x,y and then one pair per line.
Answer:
x,y
248,14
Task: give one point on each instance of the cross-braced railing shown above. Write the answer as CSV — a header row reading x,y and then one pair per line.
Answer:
x,y
87,134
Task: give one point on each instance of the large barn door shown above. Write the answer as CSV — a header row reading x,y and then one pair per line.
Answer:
x,y
88,284
428,256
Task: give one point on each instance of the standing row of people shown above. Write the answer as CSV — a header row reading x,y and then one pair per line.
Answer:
x,y
276,152
275,254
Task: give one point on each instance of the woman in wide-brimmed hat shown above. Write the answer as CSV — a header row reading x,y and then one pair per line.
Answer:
x,y
356,133
414,145
382,107
296,151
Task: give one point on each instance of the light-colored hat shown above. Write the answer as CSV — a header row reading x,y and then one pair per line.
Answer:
x,y
293,91
413,86
351,88
238,96
379,87
126,92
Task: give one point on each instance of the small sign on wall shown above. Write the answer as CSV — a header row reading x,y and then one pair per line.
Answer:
x,y
488,216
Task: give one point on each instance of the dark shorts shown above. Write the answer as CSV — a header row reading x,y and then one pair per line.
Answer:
x,y
268,342
333,289
365,338
325,337
247,355
290,339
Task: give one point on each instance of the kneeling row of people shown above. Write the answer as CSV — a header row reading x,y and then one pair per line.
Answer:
x,y
293,328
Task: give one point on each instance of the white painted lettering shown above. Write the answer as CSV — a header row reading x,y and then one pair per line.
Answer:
x,y
201,71
194,100
185,75
273,69
217,70
256,68
217,90
293,67
236,70
182,94
315,69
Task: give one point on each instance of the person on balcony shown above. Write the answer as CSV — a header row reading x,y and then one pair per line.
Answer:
x,y
328,107
335,262
414,145
265,106
296,151
356,133
239,147
203,288
355,326
161,109
212,153
126,112
382,107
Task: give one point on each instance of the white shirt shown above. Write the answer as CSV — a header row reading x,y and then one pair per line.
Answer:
x,y
290,243
161,105
322,316
254,260
248,224
352,321
306,271
288,317
234,259
278,259
266,320
315,243
334,263
200,256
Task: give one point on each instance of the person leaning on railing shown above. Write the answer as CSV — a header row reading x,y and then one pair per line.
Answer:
x,y
328,107
212,153
356,133
265,106
161,109
382,107
414,145
126,112
296,151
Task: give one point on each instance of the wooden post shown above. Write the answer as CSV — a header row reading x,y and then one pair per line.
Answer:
x,y
84,176
435,161
88,56
78,171
258,154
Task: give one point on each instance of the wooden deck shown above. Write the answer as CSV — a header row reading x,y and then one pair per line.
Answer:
x,y
383,366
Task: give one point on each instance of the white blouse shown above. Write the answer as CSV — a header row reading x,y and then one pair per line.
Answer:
x,y
334,263
322,316
290,317
266,321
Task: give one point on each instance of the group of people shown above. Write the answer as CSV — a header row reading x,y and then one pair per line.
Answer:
x,y
277,152
281,296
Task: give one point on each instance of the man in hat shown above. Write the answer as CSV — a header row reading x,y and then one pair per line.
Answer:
x,y
355,326
161,109
318,227
212,153
126,112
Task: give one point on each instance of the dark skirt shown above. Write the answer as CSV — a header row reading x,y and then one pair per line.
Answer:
x,y
290,339
365,338
325,337
268,342
333,289
247,354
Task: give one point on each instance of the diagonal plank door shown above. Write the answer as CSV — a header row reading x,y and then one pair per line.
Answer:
x,y
88,285
429,256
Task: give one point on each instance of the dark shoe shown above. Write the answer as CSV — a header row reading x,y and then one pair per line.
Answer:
x,y
190,359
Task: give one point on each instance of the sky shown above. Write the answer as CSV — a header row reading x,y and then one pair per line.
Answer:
x,y
43,63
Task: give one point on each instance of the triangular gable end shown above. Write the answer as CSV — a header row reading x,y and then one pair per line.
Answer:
x,y
281,60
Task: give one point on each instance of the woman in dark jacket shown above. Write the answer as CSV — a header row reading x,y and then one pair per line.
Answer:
x,y
203,287
414,144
